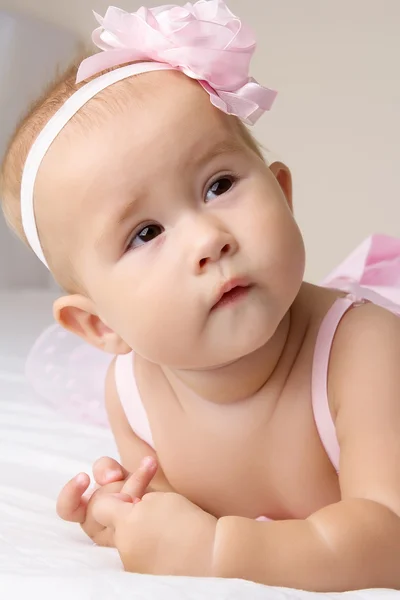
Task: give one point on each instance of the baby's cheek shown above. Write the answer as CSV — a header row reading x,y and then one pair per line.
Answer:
x,y
162,328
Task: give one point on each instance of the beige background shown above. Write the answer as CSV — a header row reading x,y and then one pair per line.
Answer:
x,y
337,118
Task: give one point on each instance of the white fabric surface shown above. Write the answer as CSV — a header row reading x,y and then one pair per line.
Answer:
x,y
42,557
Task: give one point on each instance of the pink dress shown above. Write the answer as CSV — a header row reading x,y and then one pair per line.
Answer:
x,y
55,365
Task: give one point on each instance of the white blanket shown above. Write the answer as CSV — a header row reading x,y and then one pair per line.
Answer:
x,y
41,557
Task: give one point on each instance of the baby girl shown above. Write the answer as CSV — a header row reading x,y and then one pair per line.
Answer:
x,y
136,181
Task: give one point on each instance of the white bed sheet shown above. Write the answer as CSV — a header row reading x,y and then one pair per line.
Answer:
x,y
42,557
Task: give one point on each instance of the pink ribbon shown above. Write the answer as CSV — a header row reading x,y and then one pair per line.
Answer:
x,y
204,40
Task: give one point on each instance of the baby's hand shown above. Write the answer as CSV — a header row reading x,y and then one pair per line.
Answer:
x,y
162,534
75,503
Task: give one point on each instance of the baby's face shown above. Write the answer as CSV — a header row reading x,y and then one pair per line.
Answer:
x,y
163,204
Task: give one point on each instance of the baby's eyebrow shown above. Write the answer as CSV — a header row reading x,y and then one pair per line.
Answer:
x,y
226,146
114,221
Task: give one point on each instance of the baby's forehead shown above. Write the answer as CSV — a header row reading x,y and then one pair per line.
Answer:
x,y
137,125
163,109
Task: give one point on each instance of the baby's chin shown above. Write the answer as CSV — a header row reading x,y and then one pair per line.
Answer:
x,y
212,358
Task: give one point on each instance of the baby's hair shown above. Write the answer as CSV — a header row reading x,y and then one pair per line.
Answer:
x,y
56,94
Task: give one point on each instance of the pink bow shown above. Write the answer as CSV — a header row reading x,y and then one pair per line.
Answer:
x,y
204,40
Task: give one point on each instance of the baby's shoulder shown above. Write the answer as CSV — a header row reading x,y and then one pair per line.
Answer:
x,y
366,322
350,320
365,351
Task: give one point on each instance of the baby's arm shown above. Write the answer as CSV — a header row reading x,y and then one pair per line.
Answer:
x,y
132,450
356,542
74,504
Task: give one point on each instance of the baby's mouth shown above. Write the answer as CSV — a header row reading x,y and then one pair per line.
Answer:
x,y
231,293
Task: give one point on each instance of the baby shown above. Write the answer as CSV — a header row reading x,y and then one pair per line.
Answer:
x,y
174,239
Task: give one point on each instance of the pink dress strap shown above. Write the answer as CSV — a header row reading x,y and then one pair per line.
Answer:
x,y
130,398
319,385
356,295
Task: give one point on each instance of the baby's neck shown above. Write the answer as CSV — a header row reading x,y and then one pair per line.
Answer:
x,y
243,378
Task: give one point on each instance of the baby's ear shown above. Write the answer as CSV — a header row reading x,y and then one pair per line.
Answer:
x,y
78,314
284,177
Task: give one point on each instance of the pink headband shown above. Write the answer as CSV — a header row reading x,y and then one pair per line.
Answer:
x,y
204,40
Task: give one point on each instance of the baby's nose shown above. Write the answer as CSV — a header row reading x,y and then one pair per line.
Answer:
x,y
211,243
214,255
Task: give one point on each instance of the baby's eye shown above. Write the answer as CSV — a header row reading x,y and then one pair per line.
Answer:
x,y
145,235
219,187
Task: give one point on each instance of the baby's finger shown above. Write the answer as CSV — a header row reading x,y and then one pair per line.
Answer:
x,y
109,508
71,505
138,482
107,470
